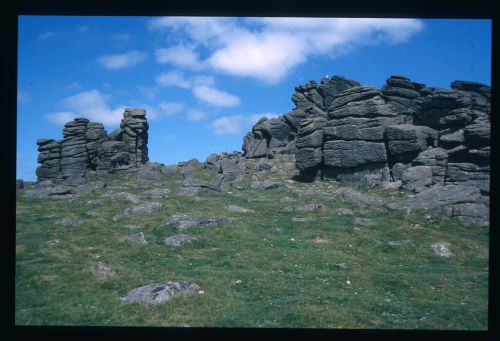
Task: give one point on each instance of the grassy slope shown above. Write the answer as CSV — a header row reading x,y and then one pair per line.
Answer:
x,y
284,282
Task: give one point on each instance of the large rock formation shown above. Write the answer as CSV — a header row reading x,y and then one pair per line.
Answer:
x,y
342,131
87,148
279,135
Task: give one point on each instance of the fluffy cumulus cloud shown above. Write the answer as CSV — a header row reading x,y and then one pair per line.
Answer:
x,y
171,108
122,61
235,124
215,97
93,105
61,117
195,115
173,78
203,88
180,55
89,104
269,48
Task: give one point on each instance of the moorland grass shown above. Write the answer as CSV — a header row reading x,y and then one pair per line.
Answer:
x,y
262,270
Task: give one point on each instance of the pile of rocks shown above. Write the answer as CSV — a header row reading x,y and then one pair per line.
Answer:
x,y
86,147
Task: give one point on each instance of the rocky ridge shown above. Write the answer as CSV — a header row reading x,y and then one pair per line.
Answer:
x,y
404,135
345,132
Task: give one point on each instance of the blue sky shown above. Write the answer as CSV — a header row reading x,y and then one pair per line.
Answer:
x,y
205,81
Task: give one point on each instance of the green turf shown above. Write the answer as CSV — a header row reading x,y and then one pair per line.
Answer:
x,y
263,270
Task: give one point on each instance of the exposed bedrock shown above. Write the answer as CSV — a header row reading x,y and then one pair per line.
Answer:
x,y
343,131
86,148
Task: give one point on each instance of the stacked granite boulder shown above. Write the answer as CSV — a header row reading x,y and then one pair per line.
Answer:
x,y
86,148
423,136
135,135
49,157
279,135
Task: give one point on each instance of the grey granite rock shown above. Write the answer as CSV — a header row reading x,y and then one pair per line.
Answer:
x,y
349,195
179,240
263,185
442,249
159,293
182,222
145,208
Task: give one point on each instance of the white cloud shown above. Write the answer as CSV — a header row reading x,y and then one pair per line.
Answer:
x,y
195,115
267,57
172,108
180,55
124,60
215,97
89,104
204,80
46,35
269,48
228,124
61,117
173,78
162,109
203,88
235,124
150,92
23,97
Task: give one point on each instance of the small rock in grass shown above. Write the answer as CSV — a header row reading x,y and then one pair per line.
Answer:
x,y
442,249
309,208
238,209
392,184
123,196
416,227
286,200
133,227
303,220
341,266
261,185
351,196
159,293
429,218
363,221
182,222
320,240
157,193
53,242
344,211
145,208
137,237
50,215
179,240
70,222
102,270
399,243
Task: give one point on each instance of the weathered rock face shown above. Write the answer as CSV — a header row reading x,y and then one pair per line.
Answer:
x,y
49,157
423,136
279,135
86,147
135,135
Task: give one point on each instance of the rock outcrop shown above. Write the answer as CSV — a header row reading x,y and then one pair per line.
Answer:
x,y
87,148
423,136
